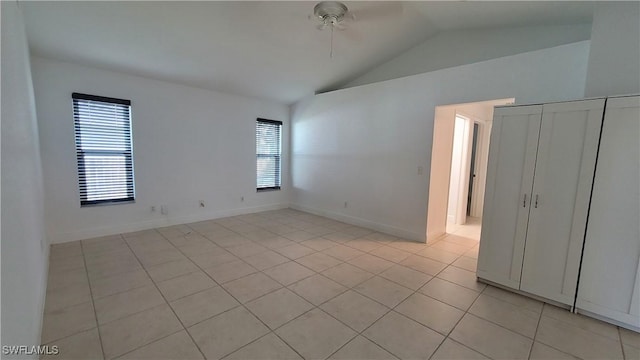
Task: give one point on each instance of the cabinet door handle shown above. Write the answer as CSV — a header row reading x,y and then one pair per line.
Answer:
x,y
524,201
536,204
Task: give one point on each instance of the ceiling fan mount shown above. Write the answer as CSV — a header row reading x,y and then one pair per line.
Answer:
x,y
331,14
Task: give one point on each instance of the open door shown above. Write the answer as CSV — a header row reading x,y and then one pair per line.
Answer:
x,y
472,169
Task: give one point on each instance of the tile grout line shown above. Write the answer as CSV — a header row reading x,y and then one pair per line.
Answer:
x,y
314,306
393,309
571,324
456,325
552,346
93,303
447,335
218,285
240,305
270,331
535,334
624,354
361,333
164,298
315,272
318,306
150,343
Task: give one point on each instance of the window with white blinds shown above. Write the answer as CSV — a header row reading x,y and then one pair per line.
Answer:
x,y
103,149
268,153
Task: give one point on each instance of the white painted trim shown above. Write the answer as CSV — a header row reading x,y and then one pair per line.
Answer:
x,y
465,169
150,224
634,308
42,301
480,166
482,156
387,229
611,316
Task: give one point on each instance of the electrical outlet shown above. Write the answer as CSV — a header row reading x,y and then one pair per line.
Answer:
x,y
420,170
201,203
153,208
345,204
241,198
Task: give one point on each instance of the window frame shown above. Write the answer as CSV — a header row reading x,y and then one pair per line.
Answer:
x,y
278,185
82,153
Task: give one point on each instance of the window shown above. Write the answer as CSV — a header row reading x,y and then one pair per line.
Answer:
x,y
268,151
103,149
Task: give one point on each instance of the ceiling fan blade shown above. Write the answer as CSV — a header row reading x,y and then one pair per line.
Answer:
x,y
379,11
351,34
340,26
349,17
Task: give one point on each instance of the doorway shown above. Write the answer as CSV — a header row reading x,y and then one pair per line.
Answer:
x,y
460,152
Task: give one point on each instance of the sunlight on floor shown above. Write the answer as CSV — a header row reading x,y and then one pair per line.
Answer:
x,y
469,230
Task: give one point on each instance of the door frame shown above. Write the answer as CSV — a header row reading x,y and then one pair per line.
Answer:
x,y
481,162
440,166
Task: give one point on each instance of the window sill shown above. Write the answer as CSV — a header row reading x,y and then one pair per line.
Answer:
x,y
108,203
277,188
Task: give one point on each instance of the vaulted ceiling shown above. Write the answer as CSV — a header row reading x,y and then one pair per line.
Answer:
x,y
265,49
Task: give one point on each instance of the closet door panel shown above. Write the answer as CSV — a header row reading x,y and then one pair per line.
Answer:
x,y
564,170
513,146
609,283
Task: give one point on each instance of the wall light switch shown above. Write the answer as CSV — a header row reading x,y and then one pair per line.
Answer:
x,y
420,170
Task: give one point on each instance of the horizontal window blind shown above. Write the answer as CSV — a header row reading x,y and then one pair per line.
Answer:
x,y
268,154
103,149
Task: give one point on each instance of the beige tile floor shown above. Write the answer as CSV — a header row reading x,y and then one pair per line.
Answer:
x,y
288,285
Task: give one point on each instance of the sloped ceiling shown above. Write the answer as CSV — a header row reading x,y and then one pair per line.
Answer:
x,y
263,49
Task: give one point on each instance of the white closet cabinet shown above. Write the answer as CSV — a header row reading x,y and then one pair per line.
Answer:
x,y
541,165
510,169
610,275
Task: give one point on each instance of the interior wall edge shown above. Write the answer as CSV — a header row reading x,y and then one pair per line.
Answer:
x,y
436,53
352,220
25,249
83,234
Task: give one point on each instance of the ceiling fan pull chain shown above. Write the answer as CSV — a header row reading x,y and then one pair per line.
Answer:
x,y
331,49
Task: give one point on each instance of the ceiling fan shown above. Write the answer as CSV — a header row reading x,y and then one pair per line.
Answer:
x,y
334,14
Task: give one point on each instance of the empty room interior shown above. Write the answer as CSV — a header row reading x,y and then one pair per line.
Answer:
x,y
320,180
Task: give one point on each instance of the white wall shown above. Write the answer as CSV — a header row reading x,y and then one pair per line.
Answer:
x,y
614,59
189,144
24,248
364,145
454,48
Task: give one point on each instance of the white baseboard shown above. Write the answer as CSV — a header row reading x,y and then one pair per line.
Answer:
x,y
431,238
387,229
57,238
